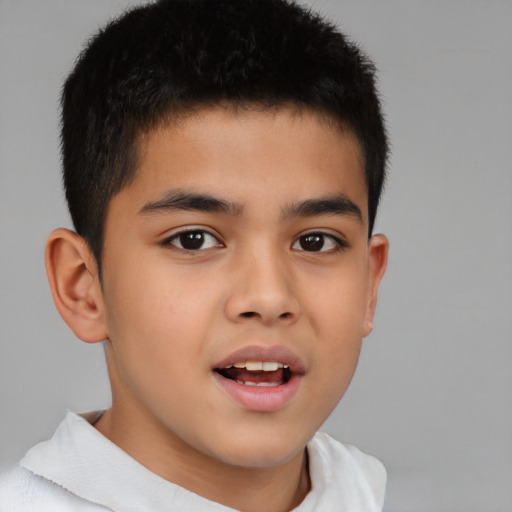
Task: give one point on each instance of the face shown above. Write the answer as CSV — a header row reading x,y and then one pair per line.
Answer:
x,y
238,283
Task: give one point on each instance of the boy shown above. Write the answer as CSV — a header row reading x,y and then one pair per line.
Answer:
x,y
223,163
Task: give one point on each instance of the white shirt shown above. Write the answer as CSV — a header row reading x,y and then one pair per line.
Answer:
x,y
80,470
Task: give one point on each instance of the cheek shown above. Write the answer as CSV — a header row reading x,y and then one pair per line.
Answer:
x,y
156,339
340,304
338,320
159,316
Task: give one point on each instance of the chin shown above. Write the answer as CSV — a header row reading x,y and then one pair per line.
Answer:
x,y
264,451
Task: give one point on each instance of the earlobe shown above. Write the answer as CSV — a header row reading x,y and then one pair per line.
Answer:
x,y
378,248
76,290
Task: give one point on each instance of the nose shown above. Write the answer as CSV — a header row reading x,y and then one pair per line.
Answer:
x,y
262,289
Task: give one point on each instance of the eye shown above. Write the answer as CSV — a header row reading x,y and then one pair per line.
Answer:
x,y
193,240
318,242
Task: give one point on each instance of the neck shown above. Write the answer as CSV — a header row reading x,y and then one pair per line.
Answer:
x,y
273,489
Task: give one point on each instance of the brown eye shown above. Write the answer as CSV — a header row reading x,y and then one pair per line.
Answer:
x,y
194,240
318,242
313,242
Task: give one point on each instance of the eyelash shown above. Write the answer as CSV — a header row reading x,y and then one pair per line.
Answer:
x,y
202,234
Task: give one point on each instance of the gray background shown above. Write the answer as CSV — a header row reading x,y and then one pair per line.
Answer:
x,y
432,396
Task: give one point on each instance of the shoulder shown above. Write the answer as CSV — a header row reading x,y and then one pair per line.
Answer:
x,y
343,473
23,491
336,454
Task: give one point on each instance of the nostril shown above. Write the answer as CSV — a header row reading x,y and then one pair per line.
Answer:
x,y
252,314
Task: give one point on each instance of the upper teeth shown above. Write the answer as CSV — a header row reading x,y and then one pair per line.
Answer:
x,y
254,366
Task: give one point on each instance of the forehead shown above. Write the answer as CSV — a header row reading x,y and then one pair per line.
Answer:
x,y
284,153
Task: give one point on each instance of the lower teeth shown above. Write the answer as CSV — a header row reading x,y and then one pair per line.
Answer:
x,y
258,384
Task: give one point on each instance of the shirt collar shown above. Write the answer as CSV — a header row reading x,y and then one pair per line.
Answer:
x,y
83,461
87,464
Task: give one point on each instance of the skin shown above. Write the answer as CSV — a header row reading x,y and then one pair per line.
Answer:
x,y
169,314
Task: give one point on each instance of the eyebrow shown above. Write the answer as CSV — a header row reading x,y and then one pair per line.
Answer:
x,y
189,201
182,200
336,205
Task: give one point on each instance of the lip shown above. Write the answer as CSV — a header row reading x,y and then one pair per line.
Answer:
x,y
262,399
258,353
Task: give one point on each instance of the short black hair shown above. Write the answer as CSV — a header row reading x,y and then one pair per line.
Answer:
x,y
173,56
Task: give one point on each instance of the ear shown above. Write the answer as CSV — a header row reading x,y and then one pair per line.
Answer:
x,y
378,247
73,276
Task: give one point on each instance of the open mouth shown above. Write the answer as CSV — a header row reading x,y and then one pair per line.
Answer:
x,y
257,373
261,379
